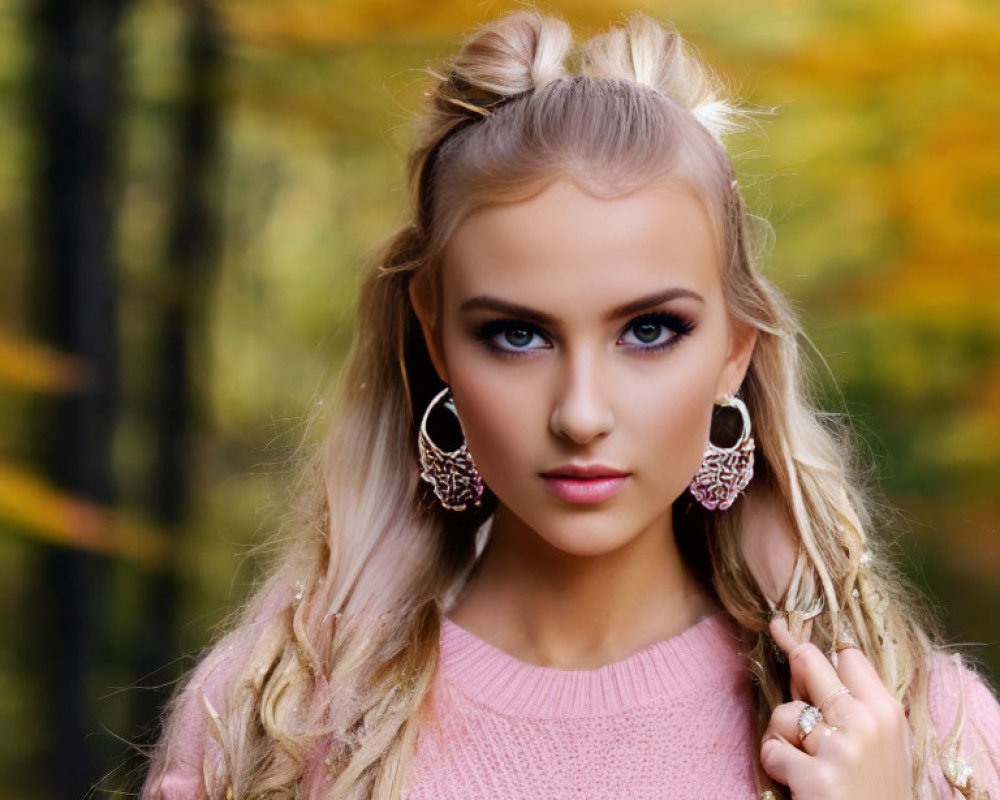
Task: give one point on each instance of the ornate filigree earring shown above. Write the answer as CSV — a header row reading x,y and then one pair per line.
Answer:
x,y
725,471
453,475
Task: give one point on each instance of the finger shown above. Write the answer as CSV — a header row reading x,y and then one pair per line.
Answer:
x,y
782,760
786,642
781,635
813,676
785,722
859,675
835,707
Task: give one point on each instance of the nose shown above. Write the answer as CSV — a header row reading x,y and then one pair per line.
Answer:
x,y
581,411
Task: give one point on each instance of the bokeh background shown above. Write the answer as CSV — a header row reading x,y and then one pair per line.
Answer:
x,y
189,189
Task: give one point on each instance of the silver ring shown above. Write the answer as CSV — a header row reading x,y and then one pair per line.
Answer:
x,y
809,718
838,693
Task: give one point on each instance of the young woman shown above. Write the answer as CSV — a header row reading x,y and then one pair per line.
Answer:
x,y
640,567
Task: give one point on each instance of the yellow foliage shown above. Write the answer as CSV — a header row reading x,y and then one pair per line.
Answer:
x,y
974,438
50,514
321,23
34,367
890,51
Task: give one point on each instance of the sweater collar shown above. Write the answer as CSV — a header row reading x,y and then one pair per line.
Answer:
x,y
705,657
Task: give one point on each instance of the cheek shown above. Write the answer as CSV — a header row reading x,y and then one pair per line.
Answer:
x,y
500,440
672,416
490,418
498,413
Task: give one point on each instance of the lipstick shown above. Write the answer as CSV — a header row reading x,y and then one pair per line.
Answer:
x,y
585,484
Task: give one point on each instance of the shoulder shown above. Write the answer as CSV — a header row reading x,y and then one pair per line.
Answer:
x,y
188,742
965,716
188,756
955,689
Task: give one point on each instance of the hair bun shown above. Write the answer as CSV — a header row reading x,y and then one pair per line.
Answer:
x,y
515,54
644,51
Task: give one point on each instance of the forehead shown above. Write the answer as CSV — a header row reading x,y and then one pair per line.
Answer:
x,y
566,245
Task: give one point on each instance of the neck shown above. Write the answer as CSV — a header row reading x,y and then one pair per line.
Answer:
x,y
569,611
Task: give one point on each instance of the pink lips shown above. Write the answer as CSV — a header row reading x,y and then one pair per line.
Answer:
x,y
591,483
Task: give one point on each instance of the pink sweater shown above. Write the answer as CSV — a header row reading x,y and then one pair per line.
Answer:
x,y
672,720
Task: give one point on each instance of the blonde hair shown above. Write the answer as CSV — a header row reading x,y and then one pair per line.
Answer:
x,y
340,644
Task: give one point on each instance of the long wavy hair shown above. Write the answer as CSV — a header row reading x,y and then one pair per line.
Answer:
x,y
337,649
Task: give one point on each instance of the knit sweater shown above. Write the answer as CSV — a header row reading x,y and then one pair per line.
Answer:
x,y
672,720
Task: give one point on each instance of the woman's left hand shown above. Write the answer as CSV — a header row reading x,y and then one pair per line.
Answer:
x,y
860,750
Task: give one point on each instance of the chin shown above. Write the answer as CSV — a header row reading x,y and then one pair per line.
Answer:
x,y
584,549
584,532
585,541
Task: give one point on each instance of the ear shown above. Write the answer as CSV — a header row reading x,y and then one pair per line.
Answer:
x,y
742,339
417,289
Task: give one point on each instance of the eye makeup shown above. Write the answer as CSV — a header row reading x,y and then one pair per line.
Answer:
x,y
647,333
511,337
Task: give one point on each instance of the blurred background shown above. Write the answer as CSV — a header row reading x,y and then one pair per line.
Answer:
x,y
188,191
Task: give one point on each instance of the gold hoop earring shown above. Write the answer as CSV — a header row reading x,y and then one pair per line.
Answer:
x,y
452,473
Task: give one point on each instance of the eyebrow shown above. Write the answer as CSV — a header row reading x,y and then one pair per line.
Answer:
x,y
488,303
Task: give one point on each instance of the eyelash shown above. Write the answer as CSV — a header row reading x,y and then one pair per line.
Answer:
x,y
678,325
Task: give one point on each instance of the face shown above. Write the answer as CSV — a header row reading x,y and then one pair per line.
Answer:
x,y
585,341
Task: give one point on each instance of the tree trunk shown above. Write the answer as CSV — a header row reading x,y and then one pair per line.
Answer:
x,y
77,82
191,254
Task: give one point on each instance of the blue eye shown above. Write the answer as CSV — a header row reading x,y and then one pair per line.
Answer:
x,y
518,337
511,337
645,334
652,332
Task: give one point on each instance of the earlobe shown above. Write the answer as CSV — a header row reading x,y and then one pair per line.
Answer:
x,y
418,301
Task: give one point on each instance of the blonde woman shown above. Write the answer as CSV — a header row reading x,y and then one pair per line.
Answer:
x,y
639,566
